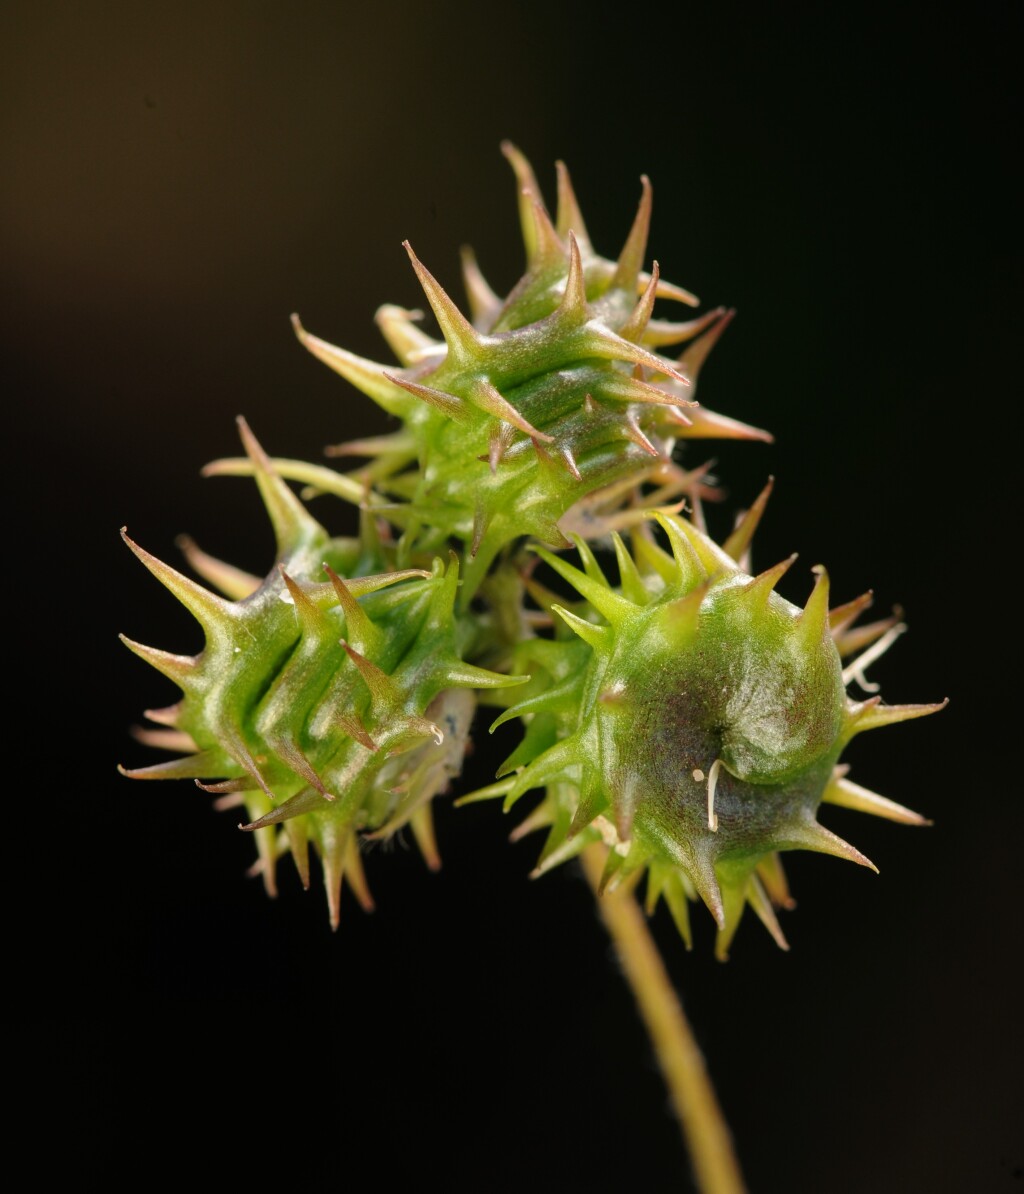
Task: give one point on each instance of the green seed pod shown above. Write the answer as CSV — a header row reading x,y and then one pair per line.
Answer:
x,y
329,700
539,401
694,722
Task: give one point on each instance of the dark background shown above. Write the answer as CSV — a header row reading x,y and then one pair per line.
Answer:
x,y
175,184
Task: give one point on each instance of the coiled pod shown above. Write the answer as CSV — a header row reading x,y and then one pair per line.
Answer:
x,y
331,700
693,721
532,404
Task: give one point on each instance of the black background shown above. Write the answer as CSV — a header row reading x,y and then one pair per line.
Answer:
x,y
175,184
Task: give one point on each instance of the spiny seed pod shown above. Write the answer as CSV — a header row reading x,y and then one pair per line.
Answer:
x,y
694,723
329,699
540,400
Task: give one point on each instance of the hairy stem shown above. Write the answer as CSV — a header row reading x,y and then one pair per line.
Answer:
x,y
682,1064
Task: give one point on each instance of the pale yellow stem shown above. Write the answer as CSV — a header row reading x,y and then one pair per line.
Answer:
x,y
682,1064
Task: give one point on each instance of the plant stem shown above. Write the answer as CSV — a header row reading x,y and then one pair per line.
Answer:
x,y
682,1064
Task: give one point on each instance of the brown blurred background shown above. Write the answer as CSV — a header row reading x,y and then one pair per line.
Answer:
x,y
176,181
